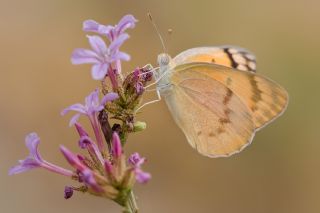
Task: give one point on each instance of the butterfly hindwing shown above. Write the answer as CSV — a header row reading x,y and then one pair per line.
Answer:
x,y
263,97
230,56
215,121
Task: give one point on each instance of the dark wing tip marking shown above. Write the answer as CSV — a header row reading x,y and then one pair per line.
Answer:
x,y
234,64
249,63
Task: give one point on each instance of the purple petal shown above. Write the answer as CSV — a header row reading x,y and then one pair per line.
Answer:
x,y
109,97
75,107
98,45
93,26
121,56
86,142
89,179
92,100
22,168
74,119
34,159
128,21
135,160
141,176
32,142
84,56
99,71
115,45
90,26
105,30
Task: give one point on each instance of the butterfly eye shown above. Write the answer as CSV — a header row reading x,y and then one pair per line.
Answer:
x,y
163,59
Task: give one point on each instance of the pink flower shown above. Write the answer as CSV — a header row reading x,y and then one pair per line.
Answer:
x,y
112,32
100,56
34,160
91,107
85,173
116,146
136,161
85,142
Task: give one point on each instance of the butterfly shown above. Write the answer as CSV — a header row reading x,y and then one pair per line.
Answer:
x,y
216,97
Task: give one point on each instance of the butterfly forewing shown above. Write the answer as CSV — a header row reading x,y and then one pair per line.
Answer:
x,y
230,56
215,121
263,97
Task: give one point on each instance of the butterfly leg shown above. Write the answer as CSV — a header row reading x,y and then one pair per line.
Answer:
x,y
151,90
156,81
150,102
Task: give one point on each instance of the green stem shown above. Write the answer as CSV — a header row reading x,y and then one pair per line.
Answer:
x,y
131,206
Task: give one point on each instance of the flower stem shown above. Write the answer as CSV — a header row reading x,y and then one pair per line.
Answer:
x,y
131,206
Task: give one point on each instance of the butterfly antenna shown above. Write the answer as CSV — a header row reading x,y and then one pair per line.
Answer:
x,y
158,33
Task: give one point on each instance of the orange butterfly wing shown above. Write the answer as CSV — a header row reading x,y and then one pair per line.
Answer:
x,y
229,56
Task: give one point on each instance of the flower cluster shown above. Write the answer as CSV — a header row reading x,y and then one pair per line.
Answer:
x,y
104,171
102,56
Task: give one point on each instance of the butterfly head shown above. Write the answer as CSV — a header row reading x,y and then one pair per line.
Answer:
x,y
164,59
161,76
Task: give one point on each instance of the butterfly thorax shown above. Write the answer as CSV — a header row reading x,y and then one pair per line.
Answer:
x,y
162,76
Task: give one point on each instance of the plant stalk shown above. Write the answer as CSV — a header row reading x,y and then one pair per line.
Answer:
x,y
131,206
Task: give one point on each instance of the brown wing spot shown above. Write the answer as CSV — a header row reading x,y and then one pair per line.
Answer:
x,y
220,130
256,96
213,60
199,133
227,97
227,111
224,120
211,134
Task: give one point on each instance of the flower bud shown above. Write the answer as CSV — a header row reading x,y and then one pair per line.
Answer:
x,y
139,126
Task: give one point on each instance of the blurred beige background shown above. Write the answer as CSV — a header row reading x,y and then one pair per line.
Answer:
x,y
278,173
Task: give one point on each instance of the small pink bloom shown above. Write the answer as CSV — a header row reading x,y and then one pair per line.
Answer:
x,y
85,142
116,146
100,56
112,32
91,107
34,160
85,173
136,161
